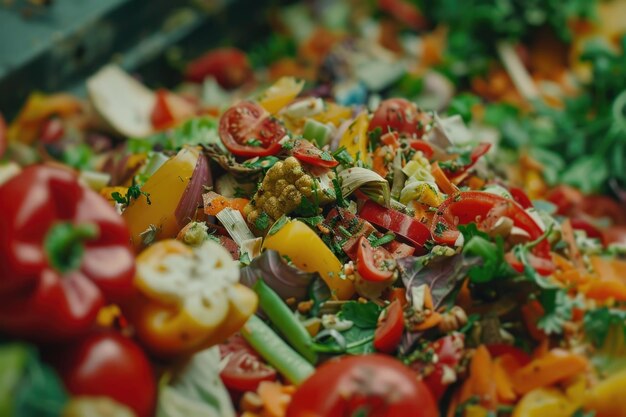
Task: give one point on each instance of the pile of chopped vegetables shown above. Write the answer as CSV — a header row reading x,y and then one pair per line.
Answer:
x,y
384,209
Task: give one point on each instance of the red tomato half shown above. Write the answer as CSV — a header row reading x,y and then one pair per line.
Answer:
x,y
246,129
110,365
373,264
520,197
229,66
390,327
373,385
400,115
244,370
405,226
308,153
449,353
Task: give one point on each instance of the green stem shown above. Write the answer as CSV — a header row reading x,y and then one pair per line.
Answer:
x,y
286,322
64,244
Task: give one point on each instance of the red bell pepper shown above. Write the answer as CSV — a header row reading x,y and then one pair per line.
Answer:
x,y
65,251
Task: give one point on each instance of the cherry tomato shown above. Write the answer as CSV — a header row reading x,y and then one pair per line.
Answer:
x,y
3,135
398,249
390,327
161,116
599,206
247,129
477,153
520,197
404,226
499,349
592,231
565,198
372,385
400,115
244,369
108,364
308,153
229,66
51,130
373,264
449,353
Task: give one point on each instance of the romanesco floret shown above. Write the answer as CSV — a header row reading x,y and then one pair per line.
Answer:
x,y
281,192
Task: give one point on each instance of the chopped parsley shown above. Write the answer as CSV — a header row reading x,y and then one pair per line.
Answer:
x,y
262,222
133,193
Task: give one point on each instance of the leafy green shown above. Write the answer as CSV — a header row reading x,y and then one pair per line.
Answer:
x,y
598,322
262,222
364,315
196,131
606,329
196,389
558,308
28,387
80,156
479,244
273,48
462,104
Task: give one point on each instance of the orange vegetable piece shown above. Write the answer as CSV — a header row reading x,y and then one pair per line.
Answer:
x,y
605,290
214,203
483,382
531,313
431,321
275,397
442,180
504,385
398,294
555,366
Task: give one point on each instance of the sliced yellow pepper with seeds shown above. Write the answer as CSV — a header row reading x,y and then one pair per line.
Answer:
x,y
355,138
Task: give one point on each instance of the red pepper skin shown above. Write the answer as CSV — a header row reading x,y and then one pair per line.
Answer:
x,y
38,301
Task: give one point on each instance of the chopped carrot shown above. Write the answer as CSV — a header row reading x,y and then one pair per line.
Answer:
x,y
475,183
443,182
379,162
609,268
275,398
431,321
398,294
602,290
214,203
483,382
557,365
504,386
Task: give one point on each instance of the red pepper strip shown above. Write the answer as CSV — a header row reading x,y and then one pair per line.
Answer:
x,y
402,225
476,207
582,224
422,145
520,197
480,149
65,252
161,116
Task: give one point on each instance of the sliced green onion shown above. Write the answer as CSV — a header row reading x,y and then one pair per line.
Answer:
x,y
235,225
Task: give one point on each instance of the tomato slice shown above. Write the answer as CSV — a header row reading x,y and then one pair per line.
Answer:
x,y
308,153
389,330
480,149
405,226
244,370
373,263
229,66
520,197
449,351
422,145
400,115
247,129
161,116
582,224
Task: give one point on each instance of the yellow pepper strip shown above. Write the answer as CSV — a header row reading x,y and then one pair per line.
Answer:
x,y
542,402
334,113
355,138
281,93
165,187
607,398
107,192
188,298
309,253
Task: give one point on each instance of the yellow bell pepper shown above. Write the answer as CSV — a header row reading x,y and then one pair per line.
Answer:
x,y
309,253
281,93
355,138
543,402
107,192
165,188
188,299
607,398
334,113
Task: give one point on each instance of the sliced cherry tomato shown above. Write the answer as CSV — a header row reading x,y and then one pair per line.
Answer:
x,y
404,226
3,135
423,146
244,369
499,349
372,385
520,197
400,115
565,198
108,364
161,116
308,153
449,353
373,264
399,250
229,66
480,149
543,266
247,129
51,130
390,327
